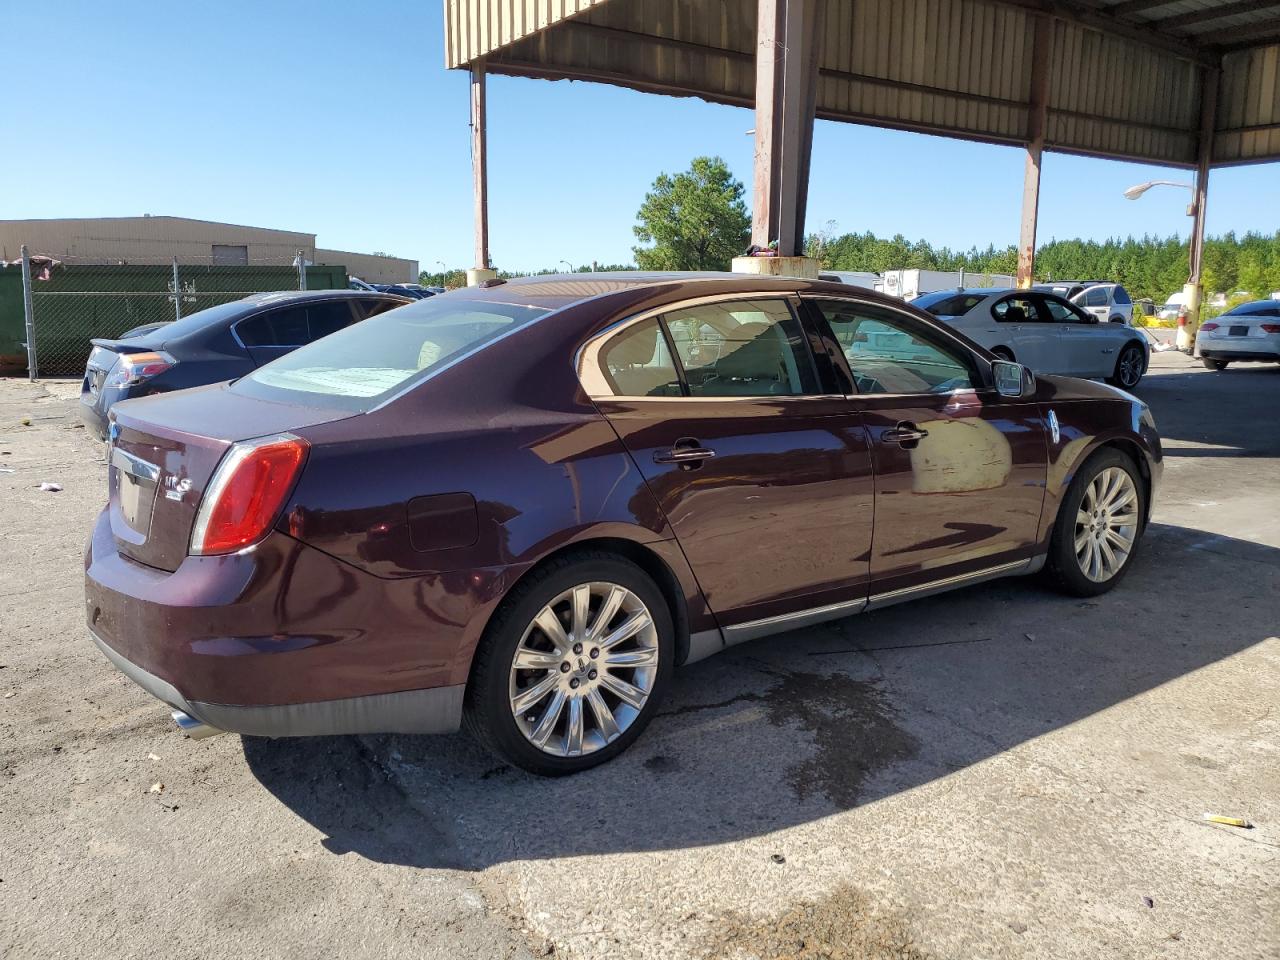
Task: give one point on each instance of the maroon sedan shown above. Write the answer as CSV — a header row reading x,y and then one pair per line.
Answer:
x,y
523,505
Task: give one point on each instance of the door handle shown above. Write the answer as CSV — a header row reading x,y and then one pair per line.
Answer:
x,y
904,433
687,452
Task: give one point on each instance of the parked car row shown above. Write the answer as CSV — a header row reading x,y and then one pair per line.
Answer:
x,y
220,343
522,506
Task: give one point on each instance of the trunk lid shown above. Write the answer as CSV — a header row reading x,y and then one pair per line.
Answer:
x,y
163,451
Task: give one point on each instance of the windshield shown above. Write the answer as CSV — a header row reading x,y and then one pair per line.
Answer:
x,y
359,367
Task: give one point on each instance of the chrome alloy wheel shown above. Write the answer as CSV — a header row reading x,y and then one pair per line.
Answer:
x,y
1130,366
1106,524
584,669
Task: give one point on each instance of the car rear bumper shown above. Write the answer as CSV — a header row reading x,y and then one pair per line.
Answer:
x,y
1214,351
282,639
438,710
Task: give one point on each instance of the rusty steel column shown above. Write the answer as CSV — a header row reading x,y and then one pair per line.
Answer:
x,y
479,166
1037,111
1192,292
1204,158
787,38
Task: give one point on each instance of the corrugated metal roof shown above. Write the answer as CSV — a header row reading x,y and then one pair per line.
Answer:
x,y
1125,79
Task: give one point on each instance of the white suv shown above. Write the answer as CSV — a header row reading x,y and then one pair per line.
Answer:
x,y
1107,302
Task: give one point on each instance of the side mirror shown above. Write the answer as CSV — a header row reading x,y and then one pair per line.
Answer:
x,y
1013,379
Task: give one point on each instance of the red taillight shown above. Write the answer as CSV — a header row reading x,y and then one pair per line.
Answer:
x,y
246,493
1208,326
1271,327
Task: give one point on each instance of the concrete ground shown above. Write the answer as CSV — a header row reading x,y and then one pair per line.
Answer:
x,y
1000,772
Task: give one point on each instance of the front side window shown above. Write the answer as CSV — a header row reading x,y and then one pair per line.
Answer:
x,y
892,354
637,363
1021,309
365,363
1063,312
742,348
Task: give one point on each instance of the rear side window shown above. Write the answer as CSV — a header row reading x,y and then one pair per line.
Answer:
x,y
742,348
275,328
1122,295
294,326
637,363
1095,297
1017,310
363,364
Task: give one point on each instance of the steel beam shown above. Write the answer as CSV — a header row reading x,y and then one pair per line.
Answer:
x,y
787,36
1037,112
479,166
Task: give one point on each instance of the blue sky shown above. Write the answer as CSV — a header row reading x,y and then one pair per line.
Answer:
x,y
340,119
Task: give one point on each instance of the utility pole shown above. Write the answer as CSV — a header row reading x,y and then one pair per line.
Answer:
x,y
302,270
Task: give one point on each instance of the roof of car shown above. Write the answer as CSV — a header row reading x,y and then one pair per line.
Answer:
x,y
291,296
1260,307
556,290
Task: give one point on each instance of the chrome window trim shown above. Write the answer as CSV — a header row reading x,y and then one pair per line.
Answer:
x,y
587,361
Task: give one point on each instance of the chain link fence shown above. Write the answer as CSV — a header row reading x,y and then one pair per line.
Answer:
x,y
50,309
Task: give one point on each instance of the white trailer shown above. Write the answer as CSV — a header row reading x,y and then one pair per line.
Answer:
x,y
909,284
854,278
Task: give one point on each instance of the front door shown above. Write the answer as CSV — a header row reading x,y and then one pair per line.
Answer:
x,y
762,471
1088,345
960,470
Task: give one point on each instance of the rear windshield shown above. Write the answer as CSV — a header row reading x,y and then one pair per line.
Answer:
x,y
1258,308
360,366
950,305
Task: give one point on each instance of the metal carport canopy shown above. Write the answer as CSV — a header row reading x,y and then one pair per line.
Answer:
x,y
1126,79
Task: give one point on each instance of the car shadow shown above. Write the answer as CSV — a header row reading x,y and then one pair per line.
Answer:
x,y
793,728
1229,411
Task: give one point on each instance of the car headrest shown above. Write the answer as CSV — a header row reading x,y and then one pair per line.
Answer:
x,y
758,356
1014,314
636,348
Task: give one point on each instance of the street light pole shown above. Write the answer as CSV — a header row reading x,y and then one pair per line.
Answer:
x,y
1189,315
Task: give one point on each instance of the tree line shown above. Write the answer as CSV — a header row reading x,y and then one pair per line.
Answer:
x,y
1149,266
698,220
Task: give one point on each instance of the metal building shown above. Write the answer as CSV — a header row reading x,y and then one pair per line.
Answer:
x,y
1192,83
158,240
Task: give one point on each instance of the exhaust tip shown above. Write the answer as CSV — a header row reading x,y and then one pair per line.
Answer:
x,y
192,728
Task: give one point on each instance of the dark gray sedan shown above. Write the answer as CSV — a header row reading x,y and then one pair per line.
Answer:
x,y
220,343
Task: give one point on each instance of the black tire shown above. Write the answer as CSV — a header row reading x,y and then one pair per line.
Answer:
x,y
1004,353
1212,364
1130,366
1062,568
487,714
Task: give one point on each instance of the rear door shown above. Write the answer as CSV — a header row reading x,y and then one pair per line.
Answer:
x,y
761,467
959,470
